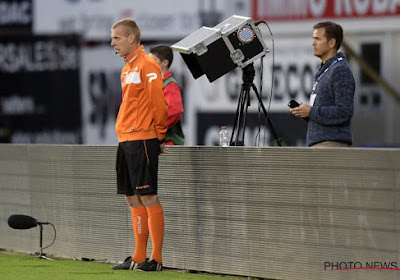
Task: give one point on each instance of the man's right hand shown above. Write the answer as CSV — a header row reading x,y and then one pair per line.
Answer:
x,y
303,111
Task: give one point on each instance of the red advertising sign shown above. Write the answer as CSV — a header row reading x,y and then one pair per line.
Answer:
x,y
291,10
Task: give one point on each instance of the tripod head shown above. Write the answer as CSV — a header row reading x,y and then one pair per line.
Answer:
x,y
248,76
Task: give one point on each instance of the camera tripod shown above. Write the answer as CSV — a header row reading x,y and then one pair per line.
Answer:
x,y
243,104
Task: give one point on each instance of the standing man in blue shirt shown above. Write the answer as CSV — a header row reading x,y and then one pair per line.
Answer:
x,y
331,102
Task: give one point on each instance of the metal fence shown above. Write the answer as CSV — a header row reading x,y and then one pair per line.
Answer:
x,y
276,213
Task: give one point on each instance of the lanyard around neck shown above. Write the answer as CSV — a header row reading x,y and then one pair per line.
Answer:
x,y
316,80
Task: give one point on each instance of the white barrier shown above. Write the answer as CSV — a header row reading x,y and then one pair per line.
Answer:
x,y
277,213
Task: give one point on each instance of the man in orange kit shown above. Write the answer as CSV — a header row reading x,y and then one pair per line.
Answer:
x,y
141,126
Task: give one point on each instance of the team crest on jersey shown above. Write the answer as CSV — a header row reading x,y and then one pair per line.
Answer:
x,y
133,78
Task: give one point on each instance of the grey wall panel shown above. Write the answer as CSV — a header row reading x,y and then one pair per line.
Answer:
x,y
276,213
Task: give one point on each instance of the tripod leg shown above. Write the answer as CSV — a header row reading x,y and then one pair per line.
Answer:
x,y
238,119
246,104
278,140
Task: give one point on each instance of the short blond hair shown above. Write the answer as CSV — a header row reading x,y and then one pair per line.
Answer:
x,y
130,26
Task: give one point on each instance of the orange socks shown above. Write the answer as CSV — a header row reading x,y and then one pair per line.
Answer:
x,y
147,220
156,227
141,231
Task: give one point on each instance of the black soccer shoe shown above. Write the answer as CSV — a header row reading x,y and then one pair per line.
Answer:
x,y
150,265
128,264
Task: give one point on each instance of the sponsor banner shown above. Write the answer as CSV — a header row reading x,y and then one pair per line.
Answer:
x,y
39,89
290,129
93,19
293,10
16,13
291,74
101,94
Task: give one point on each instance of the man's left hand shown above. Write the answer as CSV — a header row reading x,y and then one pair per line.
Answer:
x,y
163,149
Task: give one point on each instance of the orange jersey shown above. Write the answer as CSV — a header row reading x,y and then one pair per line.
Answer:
x,y
143,111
